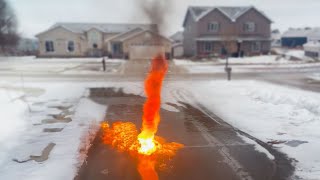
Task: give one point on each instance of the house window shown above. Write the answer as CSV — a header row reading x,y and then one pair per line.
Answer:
x,y
256,46
207,47
70,46
95,45
49,46
117,48
213,27
249,27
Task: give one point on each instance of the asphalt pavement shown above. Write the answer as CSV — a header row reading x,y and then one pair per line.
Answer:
x,y
213,149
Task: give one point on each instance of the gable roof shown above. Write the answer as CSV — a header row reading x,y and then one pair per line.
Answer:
x,y
138,33
231,12
103,27
122,36
178,36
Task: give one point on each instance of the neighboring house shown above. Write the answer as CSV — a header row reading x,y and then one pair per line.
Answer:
x,y
275,38
177,47
241,30
312,49
113,40
293,38
314,35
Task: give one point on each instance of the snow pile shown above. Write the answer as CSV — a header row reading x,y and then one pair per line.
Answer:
x,y
181,62
13,113
24,135
295,53
269,112
315,76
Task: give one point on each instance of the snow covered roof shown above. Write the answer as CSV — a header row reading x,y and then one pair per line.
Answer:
x,y
232,12
103,27
310,33
297,32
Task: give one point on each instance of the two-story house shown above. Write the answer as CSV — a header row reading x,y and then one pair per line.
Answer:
x,y
239,30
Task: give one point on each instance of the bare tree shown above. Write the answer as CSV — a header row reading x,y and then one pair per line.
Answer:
x,y
8,27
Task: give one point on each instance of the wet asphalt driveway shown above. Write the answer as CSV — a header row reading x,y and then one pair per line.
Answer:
x,y
213,149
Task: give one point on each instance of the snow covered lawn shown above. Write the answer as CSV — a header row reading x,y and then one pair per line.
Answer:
x,y
265,59
265,63
33,65
315,76
270,113
38,116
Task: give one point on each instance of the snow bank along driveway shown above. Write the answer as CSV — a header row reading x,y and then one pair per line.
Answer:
x,y
43,129
287,118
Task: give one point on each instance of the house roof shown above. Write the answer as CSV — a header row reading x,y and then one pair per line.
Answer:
x,y
178,36
122,36
103,27
231,12
297,32
133,33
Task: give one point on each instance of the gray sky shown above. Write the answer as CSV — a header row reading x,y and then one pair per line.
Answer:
x,y
35,16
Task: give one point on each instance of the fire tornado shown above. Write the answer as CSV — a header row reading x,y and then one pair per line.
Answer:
x,y
150,150
151,116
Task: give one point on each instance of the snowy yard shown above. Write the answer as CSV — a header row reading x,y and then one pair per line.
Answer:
x,y
270,113
315,76
33,65
44,129
47,127
264,63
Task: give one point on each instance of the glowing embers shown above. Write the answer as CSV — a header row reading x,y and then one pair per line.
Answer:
x,y
123,137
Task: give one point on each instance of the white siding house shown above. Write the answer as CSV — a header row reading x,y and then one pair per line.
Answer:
x,y
312,49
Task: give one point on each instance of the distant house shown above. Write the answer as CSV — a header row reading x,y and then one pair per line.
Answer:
x,y
295,37
134,41
177,47
312,49
241,30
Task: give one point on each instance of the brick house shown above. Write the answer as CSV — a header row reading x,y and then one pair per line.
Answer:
x,y
241,30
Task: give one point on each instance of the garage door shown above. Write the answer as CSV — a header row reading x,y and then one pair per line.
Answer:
x,y
145,52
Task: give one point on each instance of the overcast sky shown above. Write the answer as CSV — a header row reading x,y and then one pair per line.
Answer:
x,y
35,16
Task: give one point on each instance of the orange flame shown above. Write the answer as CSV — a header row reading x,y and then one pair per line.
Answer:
x,y
146,147
151,117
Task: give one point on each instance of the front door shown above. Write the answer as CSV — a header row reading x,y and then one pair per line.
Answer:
x,y
117,49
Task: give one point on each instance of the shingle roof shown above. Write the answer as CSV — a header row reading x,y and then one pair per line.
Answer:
x,y
123,36
104,27
232,12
